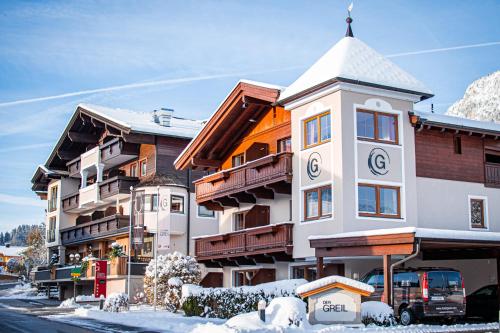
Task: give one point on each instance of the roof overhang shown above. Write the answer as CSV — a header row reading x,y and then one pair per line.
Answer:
x,y
312,90
246,102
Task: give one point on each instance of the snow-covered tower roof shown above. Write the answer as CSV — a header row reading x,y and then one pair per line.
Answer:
x,y
352,61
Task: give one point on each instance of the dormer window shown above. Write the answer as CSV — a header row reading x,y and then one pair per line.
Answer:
x,y
377,126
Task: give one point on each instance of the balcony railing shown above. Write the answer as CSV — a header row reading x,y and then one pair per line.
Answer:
x,y
110,225
255,241
264,171
116,185
70,202
112,153
492,174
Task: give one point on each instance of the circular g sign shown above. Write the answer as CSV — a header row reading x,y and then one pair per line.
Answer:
x,y
314,165
379,161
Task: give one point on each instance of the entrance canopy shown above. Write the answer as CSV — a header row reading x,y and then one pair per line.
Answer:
x,y
435,244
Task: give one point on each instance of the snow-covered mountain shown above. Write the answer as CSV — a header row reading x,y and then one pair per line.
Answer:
x,y
481,100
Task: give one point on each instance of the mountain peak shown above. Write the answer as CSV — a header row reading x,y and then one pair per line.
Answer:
x,y
481,100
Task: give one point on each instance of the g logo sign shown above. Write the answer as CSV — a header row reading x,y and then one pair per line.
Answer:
x,y
378,162
314,165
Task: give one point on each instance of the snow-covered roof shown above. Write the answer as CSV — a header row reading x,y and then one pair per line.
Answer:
x,y
142,122
331,280
457,122
419,233
11,251
353,60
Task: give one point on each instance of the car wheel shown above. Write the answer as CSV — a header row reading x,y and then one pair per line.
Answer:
x,y
406,317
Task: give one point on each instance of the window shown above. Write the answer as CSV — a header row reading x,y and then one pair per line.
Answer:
x,y
205,212
238,221
238,160
377,126
375,280
304,272
477,213
284,145
406,279
379,201
144,167
242,278
317,130
51,232
177,204
53,199
457,144
154,202
133,170
318,203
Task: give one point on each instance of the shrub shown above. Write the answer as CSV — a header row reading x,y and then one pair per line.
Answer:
x,y
228,302
377,313
174,270
116,302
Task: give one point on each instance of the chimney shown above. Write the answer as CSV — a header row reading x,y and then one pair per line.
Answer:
x,y
163,117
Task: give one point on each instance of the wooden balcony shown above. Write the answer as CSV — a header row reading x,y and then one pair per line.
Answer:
x,y
107,226
261,178
492,175
116,186
70,203
265,244
112,153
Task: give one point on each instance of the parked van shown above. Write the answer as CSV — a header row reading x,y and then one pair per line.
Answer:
x,y
422,293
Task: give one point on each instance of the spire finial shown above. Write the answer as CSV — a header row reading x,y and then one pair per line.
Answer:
x,y
349,33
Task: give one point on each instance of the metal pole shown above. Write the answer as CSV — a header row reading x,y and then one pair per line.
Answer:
x,y
156,243
130,239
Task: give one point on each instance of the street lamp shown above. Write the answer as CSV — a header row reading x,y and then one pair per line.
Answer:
x,y
74,259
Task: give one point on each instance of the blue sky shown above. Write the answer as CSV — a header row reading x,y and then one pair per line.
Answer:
x,y
56,47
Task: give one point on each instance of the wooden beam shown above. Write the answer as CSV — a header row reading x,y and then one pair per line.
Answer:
x,y
280,188
261,193
139,138
387,279
67,155
243,197
319,267
212,205
370,250
97,123
228,202
111,131
206,163
83,137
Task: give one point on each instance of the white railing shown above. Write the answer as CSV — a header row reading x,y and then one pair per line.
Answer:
x,y
89,195
90,158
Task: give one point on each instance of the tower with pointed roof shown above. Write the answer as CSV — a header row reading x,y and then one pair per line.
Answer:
x,y
353,144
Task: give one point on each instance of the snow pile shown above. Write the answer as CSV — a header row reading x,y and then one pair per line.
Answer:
x,y
331,280
116,302
87,298
481,100
69,303
21,291
175,282
377,313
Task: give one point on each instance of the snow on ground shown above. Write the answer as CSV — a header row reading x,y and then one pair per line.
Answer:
x,y
316,284
21,291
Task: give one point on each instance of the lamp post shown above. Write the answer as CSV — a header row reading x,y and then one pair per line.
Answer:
x,y
156,244
74,259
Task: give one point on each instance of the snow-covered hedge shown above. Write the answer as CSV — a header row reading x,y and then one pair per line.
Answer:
x,y
174,270
229,302
116,302
377,313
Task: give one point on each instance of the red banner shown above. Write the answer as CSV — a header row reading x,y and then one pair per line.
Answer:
x,y
101,274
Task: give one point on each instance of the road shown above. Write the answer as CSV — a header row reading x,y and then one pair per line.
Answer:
x,y
28,316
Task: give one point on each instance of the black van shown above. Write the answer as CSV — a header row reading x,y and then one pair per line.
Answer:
x,y
421,293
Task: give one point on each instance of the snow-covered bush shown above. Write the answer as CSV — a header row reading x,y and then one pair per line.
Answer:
x,y
377,313
174,270
69,303
116,302
229,302
116,251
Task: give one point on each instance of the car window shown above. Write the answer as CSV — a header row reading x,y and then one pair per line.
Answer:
x,y
406,279
486,291
436,280
453,279
375,280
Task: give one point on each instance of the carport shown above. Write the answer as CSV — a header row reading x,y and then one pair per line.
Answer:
x,y
427,244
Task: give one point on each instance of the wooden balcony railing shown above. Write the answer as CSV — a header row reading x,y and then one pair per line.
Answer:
x,y
264,171
116,185
260,240
492,174
110,225
71,201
